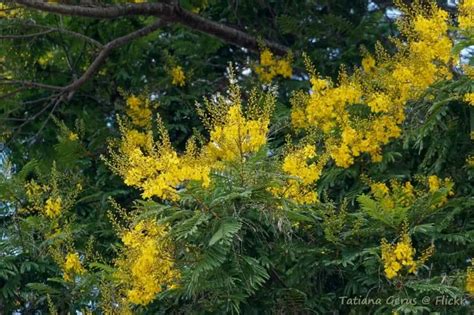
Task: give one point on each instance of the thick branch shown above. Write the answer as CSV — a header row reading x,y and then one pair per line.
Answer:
x,y
165,11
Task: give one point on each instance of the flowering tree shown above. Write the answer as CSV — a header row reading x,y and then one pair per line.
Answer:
x,y
126,192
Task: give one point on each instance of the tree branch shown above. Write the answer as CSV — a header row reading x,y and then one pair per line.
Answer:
x,y
24,36
5,81
104,53
68,91
49,29
171,13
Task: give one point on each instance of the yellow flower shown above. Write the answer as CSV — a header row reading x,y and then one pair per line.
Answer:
x,y
470,279
386,83
270,66
7,12
46,58
379,102
466,15
400,256
433,182
304,172
469,98
72,266
73,136
139,111
284,68
52,207
146,263
380,190
266,58
368,64
133,102
178,76
236,136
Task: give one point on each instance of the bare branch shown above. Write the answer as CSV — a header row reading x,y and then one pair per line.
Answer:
x,y
171,13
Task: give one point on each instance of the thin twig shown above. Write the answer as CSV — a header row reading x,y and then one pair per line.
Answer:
x,y
50,29
25,36
5,81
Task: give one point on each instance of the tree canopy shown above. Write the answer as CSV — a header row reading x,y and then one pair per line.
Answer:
x,y
214,157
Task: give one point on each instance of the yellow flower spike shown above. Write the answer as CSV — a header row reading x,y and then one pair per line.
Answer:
x,y
146,263
298,164
52,207
469,98
284,68
434,183
470,279
270,66
466,15
401,256
73,136
178,76
266,58
138,109
234,136
72,266
368,64
385,83
380,190
133,102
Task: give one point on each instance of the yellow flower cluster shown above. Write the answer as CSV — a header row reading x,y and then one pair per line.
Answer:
x,y
146,265
400,195
158,170
270,66
52,207
470,279
45,58
469,98
236,136
6,12
72,136
466,15
368,64
138,109
49,199
72,266
299,164
365,110
435,184
178,76
401,256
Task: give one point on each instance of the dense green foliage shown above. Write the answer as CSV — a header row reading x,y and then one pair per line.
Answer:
x,y
239,248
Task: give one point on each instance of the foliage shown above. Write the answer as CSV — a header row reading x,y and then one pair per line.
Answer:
x,y
237,204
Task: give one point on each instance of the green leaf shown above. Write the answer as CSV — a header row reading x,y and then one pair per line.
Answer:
x,y
226,231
